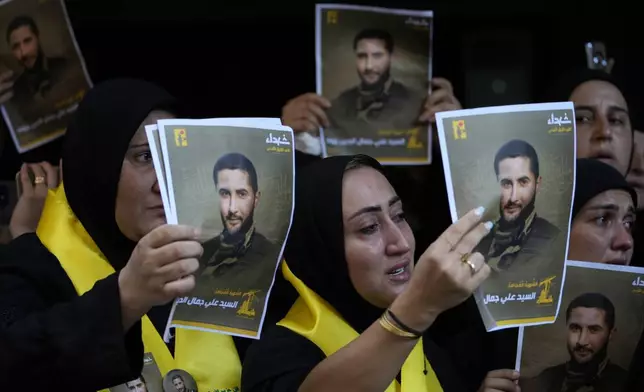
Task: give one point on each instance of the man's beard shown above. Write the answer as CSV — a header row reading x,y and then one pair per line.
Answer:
x,y
518,220
39,63
375,86
591,366
240,233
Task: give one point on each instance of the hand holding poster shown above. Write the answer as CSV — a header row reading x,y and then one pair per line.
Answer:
x,y
374,65
591,345
236,184
49,75
519,163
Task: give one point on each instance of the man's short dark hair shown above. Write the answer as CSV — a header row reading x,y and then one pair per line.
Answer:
x,y
375,34
177,376
236,161
140,378
20,21
594,300
514,149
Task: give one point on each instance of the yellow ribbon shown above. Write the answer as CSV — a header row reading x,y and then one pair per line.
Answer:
x,y
210,358
313,318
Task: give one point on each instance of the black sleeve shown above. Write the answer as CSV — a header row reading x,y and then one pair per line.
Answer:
x,y
280,361
77,342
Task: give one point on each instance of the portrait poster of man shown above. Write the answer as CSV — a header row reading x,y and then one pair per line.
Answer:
x,y
374,66
591,345
519,163
154,141
150,379
49,73
236,184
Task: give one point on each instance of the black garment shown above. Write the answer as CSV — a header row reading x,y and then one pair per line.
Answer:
x,y
552,379
594,177
315,254
49,335
58,340
46,72
252,270
635,380
536,244
297,357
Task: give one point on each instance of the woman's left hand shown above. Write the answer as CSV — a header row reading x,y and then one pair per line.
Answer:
x,y
441,99
26,214
502,380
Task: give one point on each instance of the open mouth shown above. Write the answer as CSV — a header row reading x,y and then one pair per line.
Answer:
x,y
400,272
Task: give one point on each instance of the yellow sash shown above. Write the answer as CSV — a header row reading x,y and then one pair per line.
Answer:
x,y
210,358
313,318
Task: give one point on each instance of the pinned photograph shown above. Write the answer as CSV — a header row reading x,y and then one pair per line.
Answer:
x,y
49,73
236,184
374,66
519,163
591,345
150,379
179,381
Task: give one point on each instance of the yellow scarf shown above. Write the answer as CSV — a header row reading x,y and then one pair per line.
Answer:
x,y
313,318
210,358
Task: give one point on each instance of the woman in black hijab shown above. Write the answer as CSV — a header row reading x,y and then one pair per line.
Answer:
x,y
603,215
364,307
74,305
604,127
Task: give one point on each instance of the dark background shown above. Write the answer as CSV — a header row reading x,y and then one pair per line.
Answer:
x,y
248,58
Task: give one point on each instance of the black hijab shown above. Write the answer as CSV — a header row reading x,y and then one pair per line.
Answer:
x,y
315,248
97,139
594,177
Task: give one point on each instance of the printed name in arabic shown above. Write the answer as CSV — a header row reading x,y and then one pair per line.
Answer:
x,y
523,284
493,299
279,141
45,120
223,292
639,282
558,120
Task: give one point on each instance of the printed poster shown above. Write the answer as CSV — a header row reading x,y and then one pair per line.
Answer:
x,y
591,345
236,184
49,74
519,163
152,133
150,379
374,66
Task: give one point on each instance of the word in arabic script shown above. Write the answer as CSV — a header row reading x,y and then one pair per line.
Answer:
x,y
194,301
361,142
558,120
639,282
523,284
493,299
278,149
417,22
278,141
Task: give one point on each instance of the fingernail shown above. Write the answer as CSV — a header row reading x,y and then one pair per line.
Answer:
x,y
489,225
479,211
516,374
197,232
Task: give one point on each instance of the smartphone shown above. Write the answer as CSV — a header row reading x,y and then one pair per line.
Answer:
x,y
596,57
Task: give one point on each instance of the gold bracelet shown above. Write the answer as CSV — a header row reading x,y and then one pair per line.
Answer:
x,y
387,325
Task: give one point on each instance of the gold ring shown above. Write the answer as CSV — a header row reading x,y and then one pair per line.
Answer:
x,y
465,257
472,266
39,180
